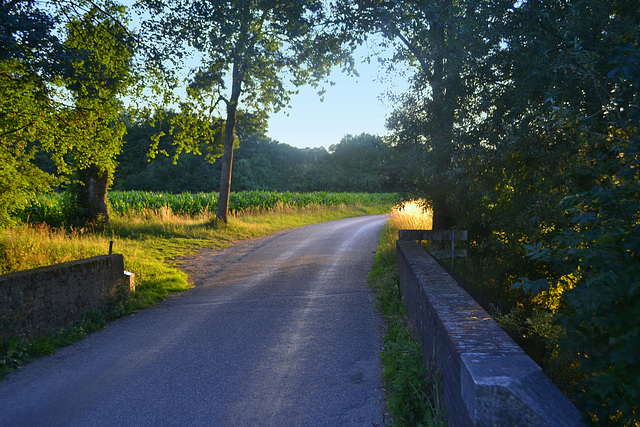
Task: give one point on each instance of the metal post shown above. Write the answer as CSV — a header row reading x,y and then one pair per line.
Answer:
x,y
110,247
453,247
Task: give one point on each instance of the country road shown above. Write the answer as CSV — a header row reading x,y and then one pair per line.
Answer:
x,y
279,331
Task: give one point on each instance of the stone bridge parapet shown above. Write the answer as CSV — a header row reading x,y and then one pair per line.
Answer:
x,y
487,379
45,299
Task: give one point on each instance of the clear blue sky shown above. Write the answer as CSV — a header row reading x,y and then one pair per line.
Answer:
x,y
354,105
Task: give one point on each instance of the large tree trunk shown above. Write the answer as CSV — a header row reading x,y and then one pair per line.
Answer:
x,y
442,107
229,139
441,216
92,198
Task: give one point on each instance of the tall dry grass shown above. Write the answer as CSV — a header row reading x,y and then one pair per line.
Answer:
x,y
412,215
26,247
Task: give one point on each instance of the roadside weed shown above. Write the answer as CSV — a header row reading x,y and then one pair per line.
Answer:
x,y
413,397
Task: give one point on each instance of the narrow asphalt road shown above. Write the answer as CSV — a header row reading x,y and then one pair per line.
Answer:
x,y
280,331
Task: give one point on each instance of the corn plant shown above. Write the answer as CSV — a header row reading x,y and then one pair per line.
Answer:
x,y
193,204
50,208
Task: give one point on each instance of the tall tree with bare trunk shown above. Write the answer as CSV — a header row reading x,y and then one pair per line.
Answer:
x,y
248,49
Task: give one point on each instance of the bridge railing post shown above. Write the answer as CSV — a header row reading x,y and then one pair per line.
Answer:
x,y
438,236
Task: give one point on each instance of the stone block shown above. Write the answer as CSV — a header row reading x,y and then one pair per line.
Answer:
x,y
487,379
49,298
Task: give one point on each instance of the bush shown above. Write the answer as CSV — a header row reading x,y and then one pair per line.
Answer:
x,y
597,260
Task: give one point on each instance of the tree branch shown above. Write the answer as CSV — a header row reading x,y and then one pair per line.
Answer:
x,y
16,130
415,52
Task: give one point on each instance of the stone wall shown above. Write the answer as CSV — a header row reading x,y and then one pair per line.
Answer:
x,y
49,298
487,380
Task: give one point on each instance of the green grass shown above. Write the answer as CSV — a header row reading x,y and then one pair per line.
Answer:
x,y
413,396
150,242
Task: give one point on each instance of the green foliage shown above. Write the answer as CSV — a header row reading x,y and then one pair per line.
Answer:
x,y
412,393
167,152
100,72
23,117
102,52
13,353
358,163
587,203
600,250
405,373
44,209
523,123
362,163
27,36
59,96
141,168
189,132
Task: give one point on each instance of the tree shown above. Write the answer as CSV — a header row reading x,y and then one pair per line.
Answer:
x,y
359,163
425,36
250,45
30,55
101,71
38,72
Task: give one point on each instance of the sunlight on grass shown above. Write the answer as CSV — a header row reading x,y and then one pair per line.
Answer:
x,y
413,215
29,247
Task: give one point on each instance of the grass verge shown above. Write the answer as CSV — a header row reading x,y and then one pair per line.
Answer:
x,y
413,397
149,241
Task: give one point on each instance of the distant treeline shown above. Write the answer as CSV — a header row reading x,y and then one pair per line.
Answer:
x,y
363,163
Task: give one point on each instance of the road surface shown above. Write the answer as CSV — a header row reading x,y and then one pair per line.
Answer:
x,y
280,331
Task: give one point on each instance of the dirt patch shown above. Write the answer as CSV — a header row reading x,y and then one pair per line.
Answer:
x,y
207,262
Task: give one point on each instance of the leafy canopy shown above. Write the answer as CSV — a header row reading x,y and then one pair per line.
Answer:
x,y
246,50
526,114
62,67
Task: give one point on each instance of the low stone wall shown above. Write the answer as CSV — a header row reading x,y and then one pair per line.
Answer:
x,y
487,380
49,298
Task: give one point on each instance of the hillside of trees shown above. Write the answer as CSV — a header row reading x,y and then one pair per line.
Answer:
x,y
362,163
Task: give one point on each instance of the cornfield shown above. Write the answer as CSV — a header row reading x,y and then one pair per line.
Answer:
x,y
43,208
193,204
